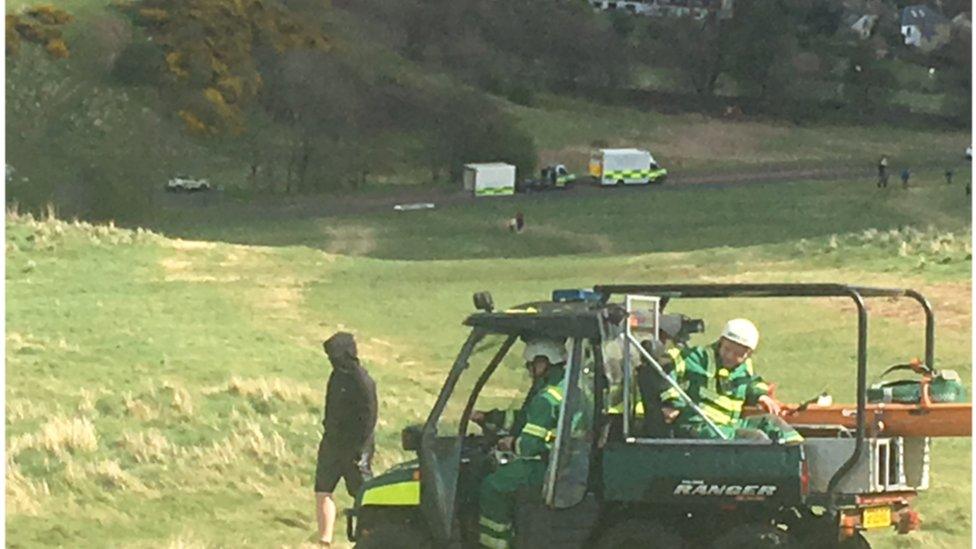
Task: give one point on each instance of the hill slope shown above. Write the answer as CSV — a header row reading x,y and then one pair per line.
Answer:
x,y
168,392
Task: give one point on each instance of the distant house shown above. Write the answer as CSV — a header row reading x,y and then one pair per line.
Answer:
x,y
697,9
864,26
924,27
634,7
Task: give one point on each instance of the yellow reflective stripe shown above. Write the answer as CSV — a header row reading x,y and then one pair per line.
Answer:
x,y
748,364
679,361
494,191
716,415
639,409
630,174
492,542
762,386
492,525
722,401
400,493
730,404
526,311
538,432
555,392
723,372
670,394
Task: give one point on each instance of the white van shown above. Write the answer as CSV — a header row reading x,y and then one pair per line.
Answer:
x,y
489,179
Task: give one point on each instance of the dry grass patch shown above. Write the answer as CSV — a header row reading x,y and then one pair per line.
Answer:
x,y
185,541
146,447
109,474
350,239
247,442
265,389
49,232
21,409
23,494
179,398
711,139
23,343
138,409
59,436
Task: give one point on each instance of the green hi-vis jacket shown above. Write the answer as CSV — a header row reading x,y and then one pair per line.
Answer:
x,y
541,416
720,392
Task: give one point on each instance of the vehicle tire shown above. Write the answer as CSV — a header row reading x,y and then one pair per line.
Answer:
x,y
754,535
393,536
620,183
639,533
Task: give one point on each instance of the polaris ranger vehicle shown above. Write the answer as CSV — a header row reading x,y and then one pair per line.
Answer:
x,y
614,479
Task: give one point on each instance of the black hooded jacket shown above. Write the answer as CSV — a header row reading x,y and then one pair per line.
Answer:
x,y
350,399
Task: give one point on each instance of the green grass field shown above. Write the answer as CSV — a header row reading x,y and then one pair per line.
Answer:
x,y
167,390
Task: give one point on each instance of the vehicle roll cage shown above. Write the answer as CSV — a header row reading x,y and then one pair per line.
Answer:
x,y
855,293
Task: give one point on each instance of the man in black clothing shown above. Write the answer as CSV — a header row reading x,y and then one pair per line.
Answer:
x,y
350,417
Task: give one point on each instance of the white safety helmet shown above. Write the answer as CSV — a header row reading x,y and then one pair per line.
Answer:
x,y
552,349
741,331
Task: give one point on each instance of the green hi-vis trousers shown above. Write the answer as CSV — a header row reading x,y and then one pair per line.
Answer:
x,y
497,499
775,427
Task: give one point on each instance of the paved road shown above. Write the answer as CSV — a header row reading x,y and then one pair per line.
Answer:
x,y
326,204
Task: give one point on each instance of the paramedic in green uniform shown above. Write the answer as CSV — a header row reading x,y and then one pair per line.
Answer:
x,y
531,443
720,379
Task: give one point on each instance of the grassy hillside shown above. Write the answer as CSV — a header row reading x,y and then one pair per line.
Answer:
x,y
73,127
167,392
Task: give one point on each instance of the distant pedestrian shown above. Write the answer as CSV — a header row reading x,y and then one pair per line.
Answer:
x,y
905,174
948,176
517,223
346,449
883,172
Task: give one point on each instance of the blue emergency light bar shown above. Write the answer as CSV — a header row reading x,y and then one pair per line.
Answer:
x,y
566,296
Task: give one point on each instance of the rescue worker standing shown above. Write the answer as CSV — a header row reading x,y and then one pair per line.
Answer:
x,y
546,360
350,418
720,379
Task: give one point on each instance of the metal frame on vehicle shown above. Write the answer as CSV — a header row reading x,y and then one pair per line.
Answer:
x,y
855,293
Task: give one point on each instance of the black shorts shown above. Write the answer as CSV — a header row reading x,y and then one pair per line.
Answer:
x,y
334,464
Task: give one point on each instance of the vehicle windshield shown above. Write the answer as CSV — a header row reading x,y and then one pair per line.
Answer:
x,y
506,387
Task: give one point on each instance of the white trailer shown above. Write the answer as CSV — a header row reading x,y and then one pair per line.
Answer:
x,y
490,179
625,167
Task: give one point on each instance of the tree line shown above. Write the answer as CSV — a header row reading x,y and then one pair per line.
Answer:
x,y
314,96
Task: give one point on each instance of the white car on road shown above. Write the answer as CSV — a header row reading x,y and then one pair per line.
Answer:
x,y
185,183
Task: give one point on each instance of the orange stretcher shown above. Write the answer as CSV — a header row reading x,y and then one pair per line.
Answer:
x,y
887,419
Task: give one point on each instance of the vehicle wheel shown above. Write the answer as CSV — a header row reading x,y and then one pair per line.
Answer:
x,y
393,536
620,182
639,533
754,535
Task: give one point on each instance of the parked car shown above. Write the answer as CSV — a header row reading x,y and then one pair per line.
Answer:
x,y
185,183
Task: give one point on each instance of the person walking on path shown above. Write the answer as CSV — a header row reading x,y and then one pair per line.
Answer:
x,y
883,172
905,174
346,449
